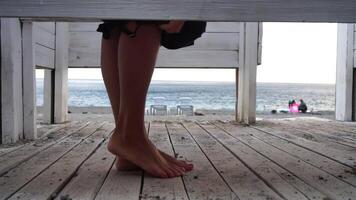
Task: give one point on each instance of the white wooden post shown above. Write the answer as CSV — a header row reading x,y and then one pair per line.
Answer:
x,y
48,96
61,73
248,58
11,81
29,81
344,72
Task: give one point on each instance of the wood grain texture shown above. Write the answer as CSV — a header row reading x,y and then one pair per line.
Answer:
x,y
29,81
52,180
44,57
42,34
28,170
82,57
13,159
240,178
157,188
342,156
319,179
332,167
344,72
217,48
61,73
280,179
208,41
121,185
221,10
204,182
91,175
11,87
248,60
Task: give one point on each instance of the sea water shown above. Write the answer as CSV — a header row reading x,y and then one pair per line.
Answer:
x,y
205,95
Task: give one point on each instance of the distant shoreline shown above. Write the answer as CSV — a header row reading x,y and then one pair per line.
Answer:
x,y
105,114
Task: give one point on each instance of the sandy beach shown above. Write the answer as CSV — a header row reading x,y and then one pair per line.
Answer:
x,y
105,114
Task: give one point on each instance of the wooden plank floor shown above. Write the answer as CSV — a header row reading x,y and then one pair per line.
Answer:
x,y
274,159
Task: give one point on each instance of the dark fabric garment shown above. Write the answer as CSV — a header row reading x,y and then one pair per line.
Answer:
x,y
190,31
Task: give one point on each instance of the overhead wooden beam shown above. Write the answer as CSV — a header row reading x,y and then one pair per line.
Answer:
x,y
218,10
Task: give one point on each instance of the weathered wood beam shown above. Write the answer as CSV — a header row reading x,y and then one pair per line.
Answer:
x,y
48,96
29,81
11,81
218,10
61,73
344,72
246,102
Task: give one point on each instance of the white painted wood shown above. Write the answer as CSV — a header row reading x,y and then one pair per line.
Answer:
x,y
48,96
354,96
11,81
241,179
44,57
43,36
63,170
172,188
344,72
38,164
212,27
13,159
82,57
314,176
50,27
248,53
283,181
223,10
203,182
260,34
61,73
208,41
29,81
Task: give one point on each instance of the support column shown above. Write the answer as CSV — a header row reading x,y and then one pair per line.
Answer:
x,y
248,58
11,81
48,96
61,73
344,72
29,81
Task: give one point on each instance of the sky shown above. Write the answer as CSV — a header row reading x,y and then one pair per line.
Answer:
x,y
291,53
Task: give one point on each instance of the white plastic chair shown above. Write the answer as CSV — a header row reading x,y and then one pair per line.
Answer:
x,y
185,106
158,107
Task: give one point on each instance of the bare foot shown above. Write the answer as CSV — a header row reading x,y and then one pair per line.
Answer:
x,y
125,165
142,153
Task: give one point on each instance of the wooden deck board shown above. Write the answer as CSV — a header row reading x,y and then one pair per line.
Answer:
x,y
285,183
29,169
328,184
156,188
204,182
91,175
343,155
330,166
51,181
242,181
20,155
270,160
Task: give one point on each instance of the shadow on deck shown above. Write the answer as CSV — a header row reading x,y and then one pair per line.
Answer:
x,y
274,159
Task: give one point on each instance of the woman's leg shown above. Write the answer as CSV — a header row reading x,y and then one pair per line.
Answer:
x,y
110,73
137,58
